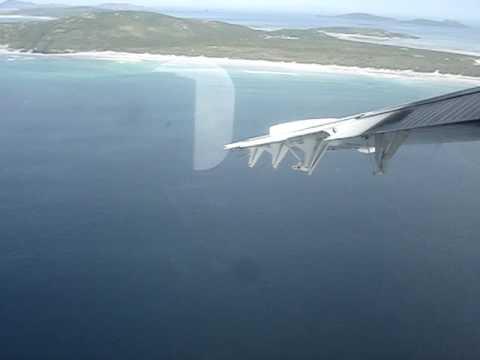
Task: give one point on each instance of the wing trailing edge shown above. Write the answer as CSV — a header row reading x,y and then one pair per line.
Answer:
x,y
378,133
306,140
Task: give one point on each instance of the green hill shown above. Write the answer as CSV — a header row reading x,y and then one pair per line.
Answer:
x,y
121,31
141,32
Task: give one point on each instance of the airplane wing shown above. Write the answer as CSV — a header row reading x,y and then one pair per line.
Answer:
x,y
379,133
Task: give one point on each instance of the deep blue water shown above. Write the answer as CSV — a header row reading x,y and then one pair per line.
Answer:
x,y
111,246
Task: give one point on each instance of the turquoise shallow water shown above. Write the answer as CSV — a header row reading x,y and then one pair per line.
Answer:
x,y
112,246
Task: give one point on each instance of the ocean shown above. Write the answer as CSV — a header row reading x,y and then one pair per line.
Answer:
x,y
112,245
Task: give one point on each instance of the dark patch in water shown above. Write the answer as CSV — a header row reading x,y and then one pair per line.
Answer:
x,y
246,270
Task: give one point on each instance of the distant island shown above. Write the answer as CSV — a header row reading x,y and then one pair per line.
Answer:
x,y
123,7
427,22
15,5
20,7
365,17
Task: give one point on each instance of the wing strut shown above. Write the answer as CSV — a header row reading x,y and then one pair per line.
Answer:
x,y
386,146
255,154
279,151
314,148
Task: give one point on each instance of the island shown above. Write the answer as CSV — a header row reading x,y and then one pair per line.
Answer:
x,y
154,33
16,5
371,18
364,17
428,22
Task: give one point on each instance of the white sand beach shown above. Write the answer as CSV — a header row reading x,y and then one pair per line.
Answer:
x,y
26,17
248,65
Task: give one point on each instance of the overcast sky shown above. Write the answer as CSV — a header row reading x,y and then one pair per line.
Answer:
x,y
459,9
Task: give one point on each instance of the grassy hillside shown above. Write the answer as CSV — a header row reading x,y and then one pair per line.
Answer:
x,y
121,31
155,33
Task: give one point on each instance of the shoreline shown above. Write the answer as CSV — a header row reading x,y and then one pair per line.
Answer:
x,y
246,64
398,42
26,17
